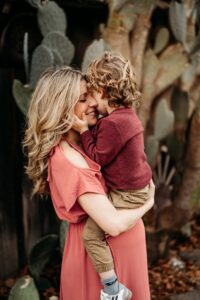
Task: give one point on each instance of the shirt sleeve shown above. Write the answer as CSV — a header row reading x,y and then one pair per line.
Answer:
x,y
107,144
68,183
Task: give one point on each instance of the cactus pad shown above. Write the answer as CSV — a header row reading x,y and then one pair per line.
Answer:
x,y
41,60
34,3
178,21
22,95
180,105
162,39
95,50
57,58
164,120
41,254
173,62
24,289
63,232
59,42
151,149
51,17
151,69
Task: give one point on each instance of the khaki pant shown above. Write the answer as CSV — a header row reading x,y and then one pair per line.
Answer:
x,y
94,237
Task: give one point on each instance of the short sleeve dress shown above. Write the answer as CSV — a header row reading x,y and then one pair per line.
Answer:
x,y
79,281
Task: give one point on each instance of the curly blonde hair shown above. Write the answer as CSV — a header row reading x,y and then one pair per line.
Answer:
x,y
49,118
115,76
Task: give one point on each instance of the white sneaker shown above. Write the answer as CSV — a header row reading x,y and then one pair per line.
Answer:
x,y
124,294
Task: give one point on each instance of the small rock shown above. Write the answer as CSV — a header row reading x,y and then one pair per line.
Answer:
x,y
193,255
177,263
193,295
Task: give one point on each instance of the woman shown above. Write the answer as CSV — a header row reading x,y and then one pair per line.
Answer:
x,y
58,166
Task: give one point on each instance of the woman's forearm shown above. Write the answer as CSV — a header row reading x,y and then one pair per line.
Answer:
x,y
127,218
111,220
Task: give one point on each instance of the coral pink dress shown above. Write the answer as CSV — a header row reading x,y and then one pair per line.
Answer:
x,y
79,281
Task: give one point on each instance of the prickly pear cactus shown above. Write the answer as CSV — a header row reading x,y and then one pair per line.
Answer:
x,y
24,289
151,149
151,69
22,95
180,105
57,41
175,147
173,63
64,226
41,60
95,50
178,21
162,39
57,58
51,17
164,120
41,254
34,3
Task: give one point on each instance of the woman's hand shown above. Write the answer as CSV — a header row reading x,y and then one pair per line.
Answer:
x,y
113,221
80,125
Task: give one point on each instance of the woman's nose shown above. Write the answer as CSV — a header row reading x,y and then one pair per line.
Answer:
x,y
92,102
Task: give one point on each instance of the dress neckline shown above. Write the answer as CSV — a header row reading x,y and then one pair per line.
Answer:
x,y
93,166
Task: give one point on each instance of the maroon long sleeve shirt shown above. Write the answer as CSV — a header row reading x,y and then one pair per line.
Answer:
x,y
116,143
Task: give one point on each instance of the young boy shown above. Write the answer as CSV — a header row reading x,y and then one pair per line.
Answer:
x,y
116,144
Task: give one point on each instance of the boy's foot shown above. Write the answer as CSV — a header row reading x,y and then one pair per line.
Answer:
x,y
124,294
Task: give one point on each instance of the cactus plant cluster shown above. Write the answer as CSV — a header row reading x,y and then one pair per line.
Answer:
x,y
167,67
55,49
40,255
163,126
166,59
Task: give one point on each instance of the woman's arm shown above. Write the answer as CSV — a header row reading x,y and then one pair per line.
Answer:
x,y
111,220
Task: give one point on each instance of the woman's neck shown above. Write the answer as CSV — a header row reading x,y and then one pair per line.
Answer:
x,y
73,136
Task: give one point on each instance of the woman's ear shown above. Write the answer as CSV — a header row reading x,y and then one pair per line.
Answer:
x,y
101,92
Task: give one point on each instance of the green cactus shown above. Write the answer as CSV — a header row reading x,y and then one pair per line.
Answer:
x,y
34,3
164,120
57,41
178,21
24,289
139,6
151,69
173,63
95,50
180,105
51,17
41,254
128,16
151,149
175,147
22,95
57,58
64,226
41,60
161,41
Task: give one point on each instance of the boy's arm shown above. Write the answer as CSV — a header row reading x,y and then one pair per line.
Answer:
x,y
107,144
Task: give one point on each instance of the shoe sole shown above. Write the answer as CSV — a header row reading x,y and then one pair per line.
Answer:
x,y
129,296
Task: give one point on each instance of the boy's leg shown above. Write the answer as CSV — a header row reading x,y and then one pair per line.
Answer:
x,y
129,198
96,246
100,254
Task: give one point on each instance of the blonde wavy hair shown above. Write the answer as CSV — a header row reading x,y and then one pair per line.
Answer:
x,y
49,118
115,76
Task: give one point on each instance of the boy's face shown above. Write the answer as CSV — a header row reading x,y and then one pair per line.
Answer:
x,y
102,103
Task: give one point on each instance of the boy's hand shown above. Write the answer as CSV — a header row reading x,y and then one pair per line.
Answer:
x,y
80,125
